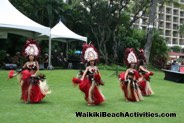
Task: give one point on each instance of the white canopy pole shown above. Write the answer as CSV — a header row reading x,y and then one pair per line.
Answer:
x,y
49,65
67,49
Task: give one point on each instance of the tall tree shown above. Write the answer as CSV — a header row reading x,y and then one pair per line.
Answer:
x,y
48,12
150,29
133,10
105,19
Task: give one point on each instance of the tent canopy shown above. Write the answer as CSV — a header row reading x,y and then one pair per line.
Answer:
x,y
61,31
13,21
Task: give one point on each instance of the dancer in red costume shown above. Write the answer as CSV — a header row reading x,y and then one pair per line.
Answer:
x,y
128,79
90,80
144,79
34,86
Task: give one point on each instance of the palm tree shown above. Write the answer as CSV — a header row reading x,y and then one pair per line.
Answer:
x,y
48,11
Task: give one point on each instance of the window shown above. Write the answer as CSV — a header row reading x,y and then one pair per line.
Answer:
x,y
168,10
175,12
168,25
175,41
175,34
175,19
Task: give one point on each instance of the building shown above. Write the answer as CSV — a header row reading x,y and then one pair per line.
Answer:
x,y
168,19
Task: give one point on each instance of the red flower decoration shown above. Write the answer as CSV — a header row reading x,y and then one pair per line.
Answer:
x,y
76,80
11,73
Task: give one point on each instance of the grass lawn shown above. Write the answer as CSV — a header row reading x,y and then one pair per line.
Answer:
x,y
65,100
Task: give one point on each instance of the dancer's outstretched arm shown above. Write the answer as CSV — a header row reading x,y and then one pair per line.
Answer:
x,y
143,69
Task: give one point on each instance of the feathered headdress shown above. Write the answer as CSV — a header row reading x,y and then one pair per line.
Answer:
x,y
141,55
31,48
129,56
89,53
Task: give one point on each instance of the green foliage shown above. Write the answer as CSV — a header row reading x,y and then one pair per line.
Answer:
x,y
130,42
159,49
71,52
181,30
135,39
175,49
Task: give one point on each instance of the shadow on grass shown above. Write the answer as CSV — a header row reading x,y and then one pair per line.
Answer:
x,y
32,103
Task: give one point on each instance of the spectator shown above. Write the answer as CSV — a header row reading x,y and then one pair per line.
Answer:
x,y
46,61
62,60
55,57
17,59
7,59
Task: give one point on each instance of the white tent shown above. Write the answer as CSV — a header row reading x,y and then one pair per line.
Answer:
x,y
13,21
61,31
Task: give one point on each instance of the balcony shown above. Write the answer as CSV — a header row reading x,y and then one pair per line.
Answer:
x,y
181,13
174,41
168,18
168,25
181,20
175,19
181,42
144,21
161,9
175,34
175,26
168,40
168,34
168,11
175,12
169,4
161,25
161,17
182,1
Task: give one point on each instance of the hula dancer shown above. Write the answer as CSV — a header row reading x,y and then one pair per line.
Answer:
x,y
129,79
90,80
34,87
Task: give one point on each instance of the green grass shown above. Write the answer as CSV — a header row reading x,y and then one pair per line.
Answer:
x,y
65,100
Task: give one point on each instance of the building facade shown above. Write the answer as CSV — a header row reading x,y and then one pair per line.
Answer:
x,y
168,20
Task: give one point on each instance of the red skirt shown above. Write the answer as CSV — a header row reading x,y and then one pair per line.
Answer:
x,y
145,88
130,89
35,92
84,86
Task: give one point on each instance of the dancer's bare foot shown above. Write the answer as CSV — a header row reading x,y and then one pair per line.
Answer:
x,y
90,104
26,102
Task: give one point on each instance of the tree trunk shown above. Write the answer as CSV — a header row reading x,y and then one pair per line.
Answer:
x,y
115,45
150,30
102,34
